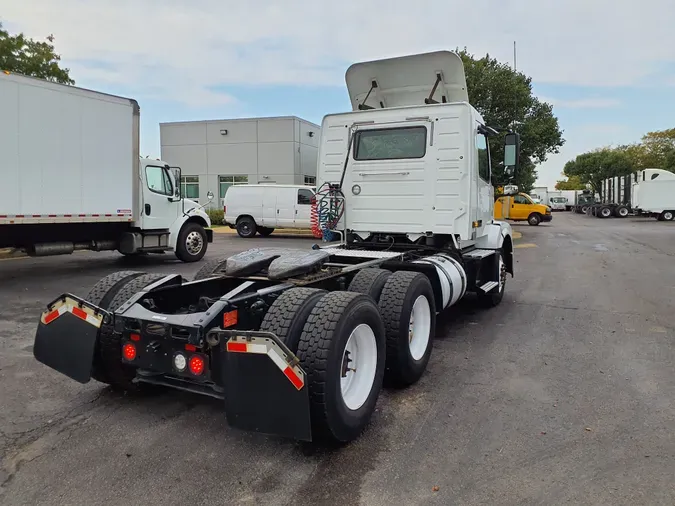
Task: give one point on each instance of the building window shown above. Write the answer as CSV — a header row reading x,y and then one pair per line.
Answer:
x,y
189,186
483,156
390,143
224,182
305,197
310,180
158,180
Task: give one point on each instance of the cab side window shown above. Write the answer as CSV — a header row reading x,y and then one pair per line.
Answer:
x,y
158,181
483,156
519,199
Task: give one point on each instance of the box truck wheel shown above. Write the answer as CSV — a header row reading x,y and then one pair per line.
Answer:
x,y
370,281
667,216
288,314
192,242
342,350
408,310
534,219
246,227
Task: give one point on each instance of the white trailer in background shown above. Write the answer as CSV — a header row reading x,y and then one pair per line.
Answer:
x,y
72,177
654,194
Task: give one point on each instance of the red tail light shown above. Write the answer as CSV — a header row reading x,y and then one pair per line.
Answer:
x,y
196,365
129,351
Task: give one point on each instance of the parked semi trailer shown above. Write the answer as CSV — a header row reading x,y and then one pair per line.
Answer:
x,y
73,179
649,192
297,342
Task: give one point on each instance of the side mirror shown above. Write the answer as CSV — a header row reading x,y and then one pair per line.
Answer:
x,y
209,196
511,154
176,177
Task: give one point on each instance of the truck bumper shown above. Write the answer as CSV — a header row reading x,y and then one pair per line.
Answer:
x,y
547,217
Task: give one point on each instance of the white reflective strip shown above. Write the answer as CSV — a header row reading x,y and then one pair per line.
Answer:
x,y
256,348
276,358
64,308
94,321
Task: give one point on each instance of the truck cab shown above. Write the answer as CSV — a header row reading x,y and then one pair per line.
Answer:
x,y
521,207
167,220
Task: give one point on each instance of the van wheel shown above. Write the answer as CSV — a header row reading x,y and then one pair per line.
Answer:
x,y
246,227
265,231
192,242
534,219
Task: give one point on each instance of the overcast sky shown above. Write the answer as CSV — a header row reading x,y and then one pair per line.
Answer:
x,y
607,66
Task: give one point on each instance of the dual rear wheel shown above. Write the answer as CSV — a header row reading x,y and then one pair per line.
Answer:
x,y
351,342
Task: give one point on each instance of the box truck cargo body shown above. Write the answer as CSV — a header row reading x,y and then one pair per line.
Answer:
x,y
72,177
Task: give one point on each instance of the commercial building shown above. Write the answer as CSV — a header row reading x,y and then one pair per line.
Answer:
x,y
214,155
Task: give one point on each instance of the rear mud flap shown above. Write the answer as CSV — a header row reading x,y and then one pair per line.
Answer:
x,y
66,336
265,388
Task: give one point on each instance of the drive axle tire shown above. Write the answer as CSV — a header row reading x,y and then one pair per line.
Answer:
x,y
342,350
408,310
101,295
192,242
211,268
621,212
534,219
605,212
246,227
115,373
370,282
288,314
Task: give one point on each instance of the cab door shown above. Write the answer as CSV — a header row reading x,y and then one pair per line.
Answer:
x,y
521,208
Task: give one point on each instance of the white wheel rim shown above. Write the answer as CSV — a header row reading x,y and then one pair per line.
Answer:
x,y
419,327
358,367
668,216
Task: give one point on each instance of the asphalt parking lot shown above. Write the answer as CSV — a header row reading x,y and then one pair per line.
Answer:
x,y
563,394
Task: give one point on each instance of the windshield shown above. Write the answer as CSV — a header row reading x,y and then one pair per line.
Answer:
x,y
558,200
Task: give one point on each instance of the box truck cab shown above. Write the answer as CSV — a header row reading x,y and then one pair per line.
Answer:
x,y
558,203
521,207
73,178
260,208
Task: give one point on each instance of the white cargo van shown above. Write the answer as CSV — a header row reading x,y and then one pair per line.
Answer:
x,y
261,208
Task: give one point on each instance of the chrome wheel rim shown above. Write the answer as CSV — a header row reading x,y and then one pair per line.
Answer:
x,y
194,243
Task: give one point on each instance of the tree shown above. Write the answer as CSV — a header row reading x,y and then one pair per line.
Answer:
x,y
598,165
572,183
31,58
504,97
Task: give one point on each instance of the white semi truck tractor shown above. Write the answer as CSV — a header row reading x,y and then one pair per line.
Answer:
x,y
299,342
72,177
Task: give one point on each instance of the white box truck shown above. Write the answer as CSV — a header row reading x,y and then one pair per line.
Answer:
x,y
654,194
261,208
72,177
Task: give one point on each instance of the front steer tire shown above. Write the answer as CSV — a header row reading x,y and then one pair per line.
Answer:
x,y
109,354
321,350
192,242
400,293
494,298
288,314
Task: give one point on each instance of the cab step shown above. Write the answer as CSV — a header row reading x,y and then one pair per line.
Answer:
x,y
478,253
489,286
